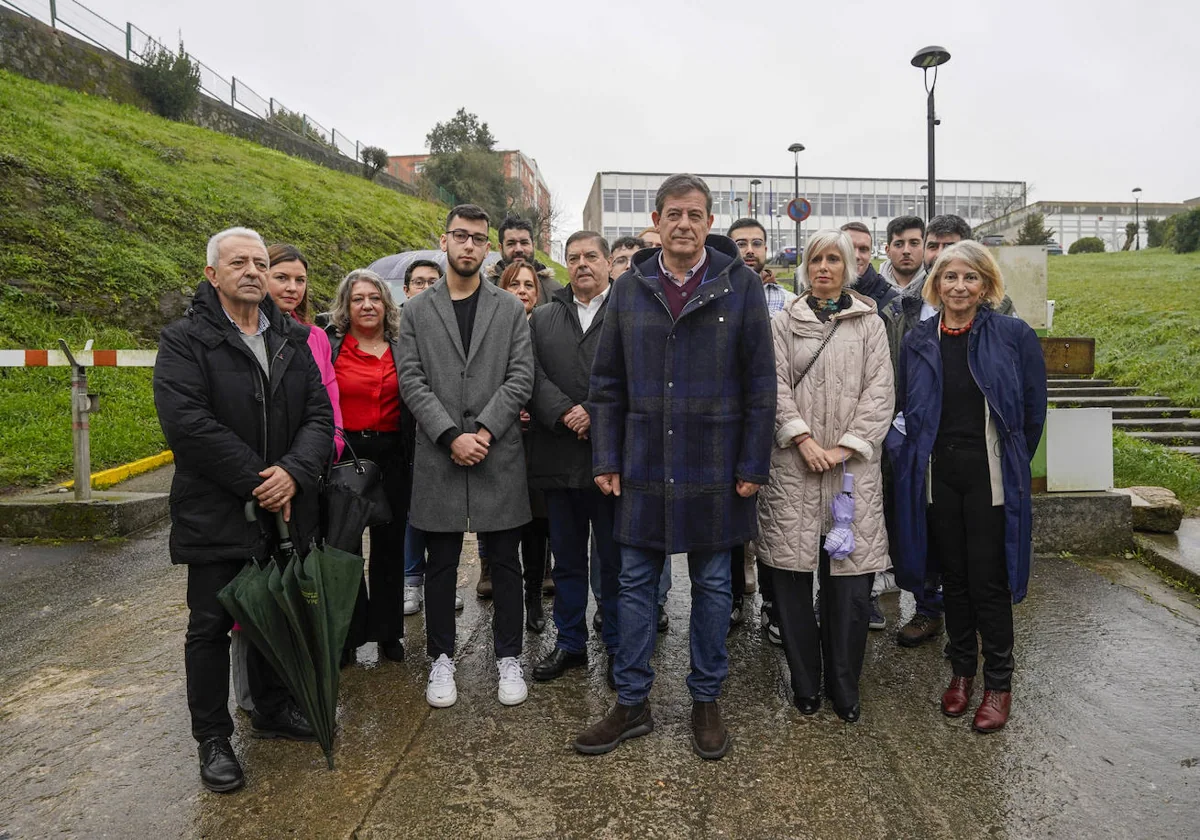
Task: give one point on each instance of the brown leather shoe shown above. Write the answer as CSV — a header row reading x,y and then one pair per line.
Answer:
x,y
957,696
920,629
483,589
710,738
992,713
621,724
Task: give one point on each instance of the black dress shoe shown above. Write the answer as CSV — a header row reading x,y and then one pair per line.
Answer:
x,y
393,650
850,714
288,722
348,657
598,620
608,673
808,705
557,663
219,768
663,621
535,620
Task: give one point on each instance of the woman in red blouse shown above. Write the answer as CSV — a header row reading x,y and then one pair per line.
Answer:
x,y
364,327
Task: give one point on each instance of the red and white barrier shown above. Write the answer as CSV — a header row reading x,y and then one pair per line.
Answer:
x,y
87,358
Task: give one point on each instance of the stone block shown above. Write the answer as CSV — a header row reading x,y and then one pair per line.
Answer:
x,y
1098,523
59,516
1155,509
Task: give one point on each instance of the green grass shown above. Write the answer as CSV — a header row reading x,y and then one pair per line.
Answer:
x,y
106,212
1138,463
1143,309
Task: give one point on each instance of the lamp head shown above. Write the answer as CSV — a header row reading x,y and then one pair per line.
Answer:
x,y
929,57
796,147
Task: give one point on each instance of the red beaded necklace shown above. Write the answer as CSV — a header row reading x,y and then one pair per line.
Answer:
x,y
956,330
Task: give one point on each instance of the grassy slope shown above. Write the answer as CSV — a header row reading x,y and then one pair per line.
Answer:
x,y
106,213
1143,309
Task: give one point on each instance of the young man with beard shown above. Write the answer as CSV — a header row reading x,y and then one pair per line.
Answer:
x,y
466,371
516,243
682,408
905,249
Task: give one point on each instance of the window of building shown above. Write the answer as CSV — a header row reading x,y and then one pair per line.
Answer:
x,y
610,201
610,233
625,201
639,201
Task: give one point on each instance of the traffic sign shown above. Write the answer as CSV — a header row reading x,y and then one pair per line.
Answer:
x,y
799,209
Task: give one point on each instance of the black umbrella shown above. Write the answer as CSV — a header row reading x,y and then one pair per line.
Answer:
x,y
297,612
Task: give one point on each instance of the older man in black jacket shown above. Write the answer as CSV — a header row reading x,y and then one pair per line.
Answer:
x,y
565,335
242,406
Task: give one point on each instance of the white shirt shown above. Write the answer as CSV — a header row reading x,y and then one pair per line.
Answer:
x,y
587,311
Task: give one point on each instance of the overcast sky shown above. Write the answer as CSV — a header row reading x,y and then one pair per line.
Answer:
x,y
1084,100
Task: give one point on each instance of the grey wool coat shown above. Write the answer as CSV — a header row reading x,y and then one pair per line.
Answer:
x,y
446,387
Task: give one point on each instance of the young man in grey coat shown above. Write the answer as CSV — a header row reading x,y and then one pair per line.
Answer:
x,y
466,370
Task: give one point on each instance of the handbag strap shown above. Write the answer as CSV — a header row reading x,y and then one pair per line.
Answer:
x,y
339,431
824,343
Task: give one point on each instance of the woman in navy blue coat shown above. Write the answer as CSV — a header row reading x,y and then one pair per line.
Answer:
x,y
971,388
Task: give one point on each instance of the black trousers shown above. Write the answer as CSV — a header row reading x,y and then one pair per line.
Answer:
x,y
737,571
441,575
839,644
206,656
970,541
535,543
379,611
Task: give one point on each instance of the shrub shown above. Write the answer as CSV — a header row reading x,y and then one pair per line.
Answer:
x,y
1034,231
374,159
171,81
1187,231
1154,232
1087,245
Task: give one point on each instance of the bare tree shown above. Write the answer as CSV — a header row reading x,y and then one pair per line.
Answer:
x,y
546,219
1005,201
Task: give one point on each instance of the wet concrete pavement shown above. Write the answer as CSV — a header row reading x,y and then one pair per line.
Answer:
x,y
94,735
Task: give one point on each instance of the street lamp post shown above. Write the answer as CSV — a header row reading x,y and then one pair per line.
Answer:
x,y
873,240
1137,217
796,149
754,196
738,201
926,59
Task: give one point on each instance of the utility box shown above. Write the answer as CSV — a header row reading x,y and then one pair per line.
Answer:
x,y
1079,449
1023,268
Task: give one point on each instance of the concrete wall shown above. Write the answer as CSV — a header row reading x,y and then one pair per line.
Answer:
x,y
32,49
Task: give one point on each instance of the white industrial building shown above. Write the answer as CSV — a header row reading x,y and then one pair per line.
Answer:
x,y
1072,220
620,203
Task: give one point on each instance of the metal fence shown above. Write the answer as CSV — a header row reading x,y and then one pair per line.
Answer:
x,y
137,45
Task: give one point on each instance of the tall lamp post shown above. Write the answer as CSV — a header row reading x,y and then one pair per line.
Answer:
x,y
930,58
796,149
1137,217
738,202
754,182
874,244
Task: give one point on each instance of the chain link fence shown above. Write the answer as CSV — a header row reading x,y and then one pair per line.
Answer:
x,y
137,45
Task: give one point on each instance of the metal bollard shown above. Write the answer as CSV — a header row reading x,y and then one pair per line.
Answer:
x,y
82,404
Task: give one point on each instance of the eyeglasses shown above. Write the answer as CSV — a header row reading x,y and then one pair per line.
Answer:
x,y
742,243
420,283
460,236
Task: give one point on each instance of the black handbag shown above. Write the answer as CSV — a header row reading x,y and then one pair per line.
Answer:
x,y
356,477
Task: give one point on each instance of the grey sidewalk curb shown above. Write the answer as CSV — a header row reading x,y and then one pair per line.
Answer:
x,y
1168,561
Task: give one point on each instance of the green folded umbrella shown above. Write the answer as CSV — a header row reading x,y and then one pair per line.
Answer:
x,y
298,616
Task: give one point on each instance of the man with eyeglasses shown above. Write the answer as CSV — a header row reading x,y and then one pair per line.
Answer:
x,y
419,276
466,371
623,250
751,241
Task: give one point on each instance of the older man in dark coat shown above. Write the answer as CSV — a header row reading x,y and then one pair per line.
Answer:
x,y
242,406
682,407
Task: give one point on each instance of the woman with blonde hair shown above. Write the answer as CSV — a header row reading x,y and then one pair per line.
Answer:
x,y
834,377
365,329
972,402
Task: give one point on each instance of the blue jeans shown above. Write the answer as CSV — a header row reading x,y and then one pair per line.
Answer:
x,y
571,512
414,557
929,599
712,601
664,580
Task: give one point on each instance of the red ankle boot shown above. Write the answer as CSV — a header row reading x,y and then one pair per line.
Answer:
x,y
957,696
992,713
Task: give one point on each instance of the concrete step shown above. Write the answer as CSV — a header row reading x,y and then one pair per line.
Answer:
x,y
1169,412
1176,424
1169,438
1070,382
1109,402
1111,391
1194,451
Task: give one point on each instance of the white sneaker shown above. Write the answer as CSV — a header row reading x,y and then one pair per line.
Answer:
x,y
458,602
513,690
441,691
412,599
884,583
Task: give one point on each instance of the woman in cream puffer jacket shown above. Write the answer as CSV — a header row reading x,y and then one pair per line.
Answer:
x,y
832,421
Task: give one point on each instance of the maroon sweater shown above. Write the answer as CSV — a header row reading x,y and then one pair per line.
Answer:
x,y
678,296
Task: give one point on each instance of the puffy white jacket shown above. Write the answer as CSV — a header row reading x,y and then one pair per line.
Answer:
x,y
846,399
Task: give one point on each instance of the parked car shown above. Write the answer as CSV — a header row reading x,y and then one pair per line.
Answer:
x,y
1053,249
992,241
787,256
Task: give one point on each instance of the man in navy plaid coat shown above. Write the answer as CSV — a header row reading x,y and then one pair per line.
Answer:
x,y
682,408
